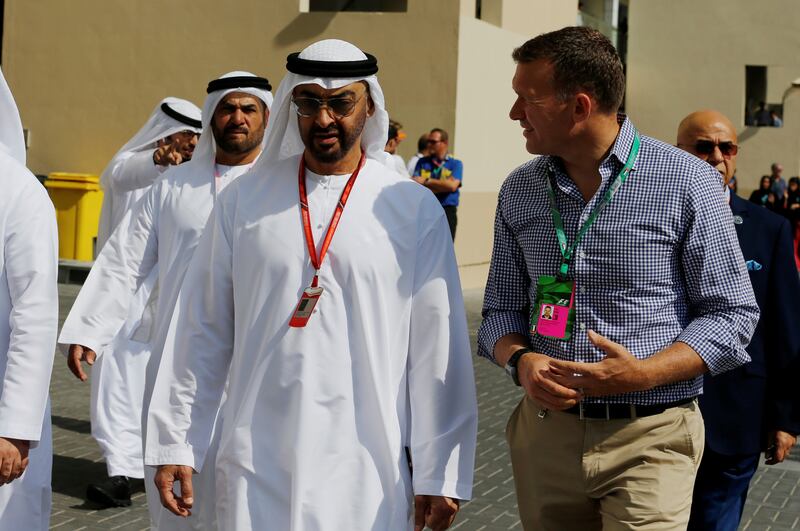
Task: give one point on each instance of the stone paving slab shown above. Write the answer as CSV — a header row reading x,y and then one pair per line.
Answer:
x,y
77,460
773,504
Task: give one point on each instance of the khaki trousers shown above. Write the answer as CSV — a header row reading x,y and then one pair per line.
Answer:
x,y
582,475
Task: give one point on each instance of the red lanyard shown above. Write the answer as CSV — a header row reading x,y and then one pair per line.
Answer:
x,y
312,248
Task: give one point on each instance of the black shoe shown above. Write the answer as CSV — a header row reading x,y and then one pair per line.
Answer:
x,y
114,492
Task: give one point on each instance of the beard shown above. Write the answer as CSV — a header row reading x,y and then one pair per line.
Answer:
x,y
346,136
186,153
236,144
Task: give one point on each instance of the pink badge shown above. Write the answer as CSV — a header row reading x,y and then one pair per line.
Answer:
x,y
552,320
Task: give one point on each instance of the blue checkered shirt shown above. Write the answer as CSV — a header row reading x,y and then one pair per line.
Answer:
x,y
660,264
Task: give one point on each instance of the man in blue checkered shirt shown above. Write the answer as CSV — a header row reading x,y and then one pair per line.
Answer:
x,y
648,288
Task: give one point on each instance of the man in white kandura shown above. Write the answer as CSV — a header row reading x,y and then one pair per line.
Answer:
x,y
341,356
167,138
28,324
161,233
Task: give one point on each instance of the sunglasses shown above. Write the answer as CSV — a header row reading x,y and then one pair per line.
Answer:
x,y
307,106
706,147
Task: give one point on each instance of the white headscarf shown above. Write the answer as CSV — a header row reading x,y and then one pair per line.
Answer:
x,y
159,125
12,141
206,149
283,136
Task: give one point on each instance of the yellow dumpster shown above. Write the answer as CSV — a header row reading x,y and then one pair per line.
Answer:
x,y
77,198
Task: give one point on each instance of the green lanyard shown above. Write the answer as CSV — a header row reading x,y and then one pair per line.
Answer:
x,y
566,249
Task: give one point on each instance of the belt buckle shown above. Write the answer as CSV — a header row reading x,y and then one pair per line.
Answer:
x,y
582,416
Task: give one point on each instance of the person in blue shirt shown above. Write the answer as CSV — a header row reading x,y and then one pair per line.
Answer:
x,y
441,174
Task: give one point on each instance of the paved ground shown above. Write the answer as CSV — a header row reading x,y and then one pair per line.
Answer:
x,y
774,502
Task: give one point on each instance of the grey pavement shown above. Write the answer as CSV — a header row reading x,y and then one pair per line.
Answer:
x,y
773,503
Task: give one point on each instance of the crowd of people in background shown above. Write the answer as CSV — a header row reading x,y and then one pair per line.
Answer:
x,y
780,196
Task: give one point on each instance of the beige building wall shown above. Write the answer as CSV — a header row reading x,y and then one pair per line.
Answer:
x,y
532,17
686,55
86,75
487,141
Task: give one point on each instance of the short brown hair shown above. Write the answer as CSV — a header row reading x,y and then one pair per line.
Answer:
x,y
441,132
583,59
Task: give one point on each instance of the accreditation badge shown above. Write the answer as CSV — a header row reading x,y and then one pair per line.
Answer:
x,y
554,310
305,307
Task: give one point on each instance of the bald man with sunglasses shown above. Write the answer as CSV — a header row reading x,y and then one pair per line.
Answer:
x,y
754,407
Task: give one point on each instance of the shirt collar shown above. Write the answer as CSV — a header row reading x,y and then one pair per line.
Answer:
x,y
619,150
624,142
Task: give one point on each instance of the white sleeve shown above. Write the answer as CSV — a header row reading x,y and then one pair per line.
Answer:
x,y
400,166
127,258
134,172
441,384
412,165
196,357
31,264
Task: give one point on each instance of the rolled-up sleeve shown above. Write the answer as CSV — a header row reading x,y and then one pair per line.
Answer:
x,y
506,306
723,307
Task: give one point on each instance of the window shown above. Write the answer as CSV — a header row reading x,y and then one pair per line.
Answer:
x,y
757,111
355,5
490,11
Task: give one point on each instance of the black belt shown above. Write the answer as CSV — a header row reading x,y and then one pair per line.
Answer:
x,y
621,411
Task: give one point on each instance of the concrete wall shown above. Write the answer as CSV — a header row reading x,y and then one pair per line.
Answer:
x,y
86,73
487,141
532,17
686,55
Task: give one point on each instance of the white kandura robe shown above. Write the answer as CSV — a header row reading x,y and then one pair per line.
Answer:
x,y
159,234
317,418
124,184
118,375
28,325
400,165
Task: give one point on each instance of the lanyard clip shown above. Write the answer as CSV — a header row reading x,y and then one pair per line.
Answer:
x,y
563,272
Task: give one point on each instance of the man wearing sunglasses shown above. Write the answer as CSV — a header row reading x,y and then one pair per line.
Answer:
x,y
326,289
442,174
755,407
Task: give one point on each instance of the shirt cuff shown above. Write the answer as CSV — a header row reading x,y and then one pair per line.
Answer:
x,y
496,324
21,431
450,489
718,346
174,454
68,337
